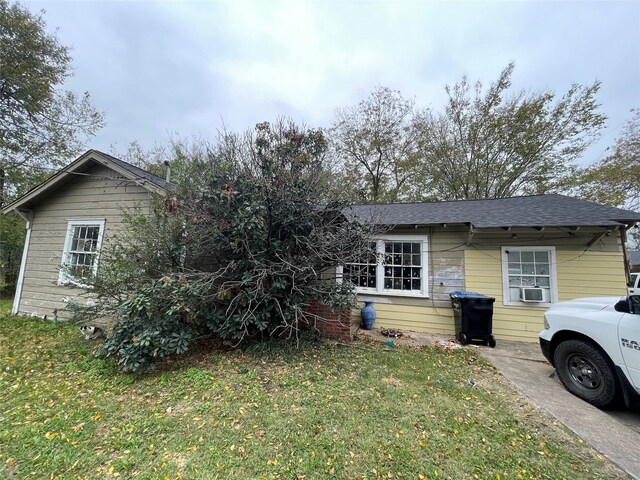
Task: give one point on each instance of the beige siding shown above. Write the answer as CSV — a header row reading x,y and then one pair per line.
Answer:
x,y
581,271
598,271
424,317
87,197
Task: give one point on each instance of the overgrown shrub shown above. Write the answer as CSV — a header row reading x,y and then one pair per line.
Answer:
x,y
250,235
158,320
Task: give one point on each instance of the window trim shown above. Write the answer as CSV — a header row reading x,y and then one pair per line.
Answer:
x,y
63,278
380,290
553,281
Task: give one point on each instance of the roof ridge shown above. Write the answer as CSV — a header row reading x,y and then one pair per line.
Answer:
x,y
465,200
130,166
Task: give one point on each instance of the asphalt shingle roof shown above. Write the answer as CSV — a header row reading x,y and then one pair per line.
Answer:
x,y
139,172
551,210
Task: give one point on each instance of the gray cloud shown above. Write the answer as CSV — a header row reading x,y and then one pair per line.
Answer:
x,y
179,67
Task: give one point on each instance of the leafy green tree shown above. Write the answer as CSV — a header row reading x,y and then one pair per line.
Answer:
x,y
375,143
615,180
41,124
185,156
492,144
238,250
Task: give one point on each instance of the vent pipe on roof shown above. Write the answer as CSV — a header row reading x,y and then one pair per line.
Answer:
x,y
167,175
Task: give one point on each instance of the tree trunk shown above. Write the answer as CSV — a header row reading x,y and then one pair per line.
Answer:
x,y
2,270
1,187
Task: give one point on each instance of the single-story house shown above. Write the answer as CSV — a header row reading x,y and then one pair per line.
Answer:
x,y
526,252
70,217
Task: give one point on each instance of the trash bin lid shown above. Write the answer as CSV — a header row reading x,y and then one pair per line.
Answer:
x,y
465,294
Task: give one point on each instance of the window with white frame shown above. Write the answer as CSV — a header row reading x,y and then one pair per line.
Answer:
x,y
394,266
528,276
81,252
362,273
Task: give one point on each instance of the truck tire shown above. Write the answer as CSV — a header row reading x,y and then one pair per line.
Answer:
x,y
586,371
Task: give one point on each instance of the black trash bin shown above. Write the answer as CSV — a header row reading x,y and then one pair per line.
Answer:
x,y
473,316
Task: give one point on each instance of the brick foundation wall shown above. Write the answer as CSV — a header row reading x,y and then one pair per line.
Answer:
x,y
331,323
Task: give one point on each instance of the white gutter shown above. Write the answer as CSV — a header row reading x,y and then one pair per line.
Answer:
x,y
23,264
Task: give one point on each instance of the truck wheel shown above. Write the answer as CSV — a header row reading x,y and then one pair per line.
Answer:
x,y
586,372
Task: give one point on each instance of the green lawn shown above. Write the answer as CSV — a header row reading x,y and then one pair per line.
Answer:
x,y
322,411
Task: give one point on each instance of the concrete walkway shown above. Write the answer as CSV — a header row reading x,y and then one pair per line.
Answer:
x,y
613,433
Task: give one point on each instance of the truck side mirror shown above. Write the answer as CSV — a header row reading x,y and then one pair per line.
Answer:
x,y
634,304
623,306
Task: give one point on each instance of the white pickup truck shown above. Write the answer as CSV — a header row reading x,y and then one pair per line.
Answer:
x,y
594,345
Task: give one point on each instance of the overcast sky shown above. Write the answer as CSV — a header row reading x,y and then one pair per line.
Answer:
x,y
163,68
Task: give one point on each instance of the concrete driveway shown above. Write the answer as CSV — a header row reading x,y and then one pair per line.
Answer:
x,y
615,434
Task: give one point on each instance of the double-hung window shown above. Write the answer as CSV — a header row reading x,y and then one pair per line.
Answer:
x,y
362,273
394,265
81,252
528,276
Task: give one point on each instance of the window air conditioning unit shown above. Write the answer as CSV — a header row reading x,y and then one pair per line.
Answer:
x,y
531,294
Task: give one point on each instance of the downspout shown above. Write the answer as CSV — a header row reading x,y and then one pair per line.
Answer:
x,y
623,241
16,299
